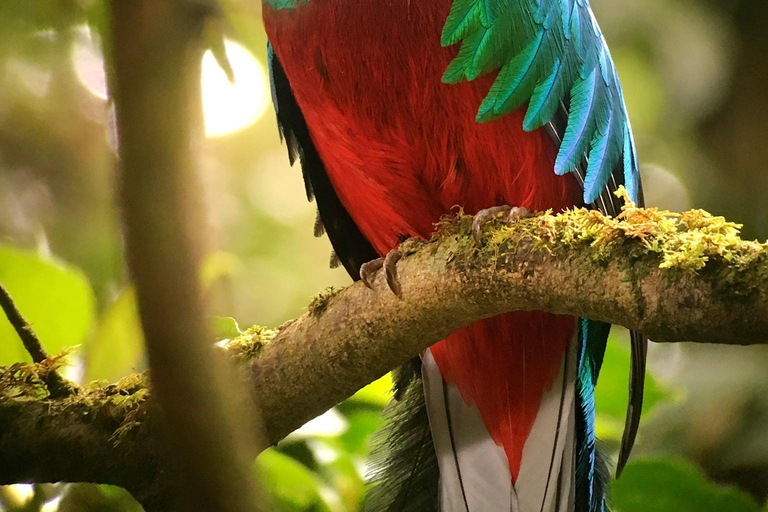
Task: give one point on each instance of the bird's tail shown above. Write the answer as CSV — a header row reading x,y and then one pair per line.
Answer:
x,y
474,471
592,474
559,469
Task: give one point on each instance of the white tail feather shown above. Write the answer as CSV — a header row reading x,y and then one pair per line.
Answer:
x,y
567,487
474,471
540,469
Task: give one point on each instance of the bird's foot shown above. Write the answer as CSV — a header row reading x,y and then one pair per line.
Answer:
x,y
483,217
389,263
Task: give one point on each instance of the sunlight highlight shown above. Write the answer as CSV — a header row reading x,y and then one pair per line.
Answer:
x,y
89,62
230,107
20,493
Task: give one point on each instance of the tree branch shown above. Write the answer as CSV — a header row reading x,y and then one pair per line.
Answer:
x,y
676,278
57,385
210,432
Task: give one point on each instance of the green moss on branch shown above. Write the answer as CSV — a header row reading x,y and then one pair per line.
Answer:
x,y
32,380
685,241
320,302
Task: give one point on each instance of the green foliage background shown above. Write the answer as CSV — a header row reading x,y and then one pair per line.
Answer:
x,y
696,96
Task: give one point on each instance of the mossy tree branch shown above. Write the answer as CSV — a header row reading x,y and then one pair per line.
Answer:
x,y
675,278
57,385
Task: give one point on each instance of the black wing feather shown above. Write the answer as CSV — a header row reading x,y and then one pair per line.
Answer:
x,y
349,244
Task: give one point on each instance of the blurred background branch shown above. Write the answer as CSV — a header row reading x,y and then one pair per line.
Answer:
x,y
208,426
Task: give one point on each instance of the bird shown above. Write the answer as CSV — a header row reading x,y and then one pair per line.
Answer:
x,y
400,110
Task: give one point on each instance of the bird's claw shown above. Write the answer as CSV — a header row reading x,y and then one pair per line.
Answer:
x,y
389,263
507,212
368,269
390,268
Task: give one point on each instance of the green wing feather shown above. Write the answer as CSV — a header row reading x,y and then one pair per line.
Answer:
x,y
548,53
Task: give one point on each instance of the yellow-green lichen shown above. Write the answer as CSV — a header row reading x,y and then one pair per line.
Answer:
x,y
126,398
121,401
249,344
28,380
133,385
319,302
684,241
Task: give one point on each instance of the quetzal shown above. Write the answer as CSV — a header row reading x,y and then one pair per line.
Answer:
x,y
401,109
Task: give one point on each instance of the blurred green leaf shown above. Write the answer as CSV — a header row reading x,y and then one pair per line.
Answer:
x,y
667,485
291,485
341,471
378,392
612,393
53,297
116,347
224,327
217,265
84,497
362,425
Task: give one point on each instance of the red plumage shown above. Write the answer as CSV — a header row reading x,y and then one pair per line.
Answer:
x,y
401,149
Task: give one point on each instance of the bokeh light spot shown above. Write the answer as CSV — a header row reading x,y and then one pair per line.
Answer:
x,y
229,107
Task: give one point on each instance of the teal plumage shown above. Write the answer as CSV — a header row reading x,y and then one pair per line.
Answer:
x,y
591,474
284,4
548,53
